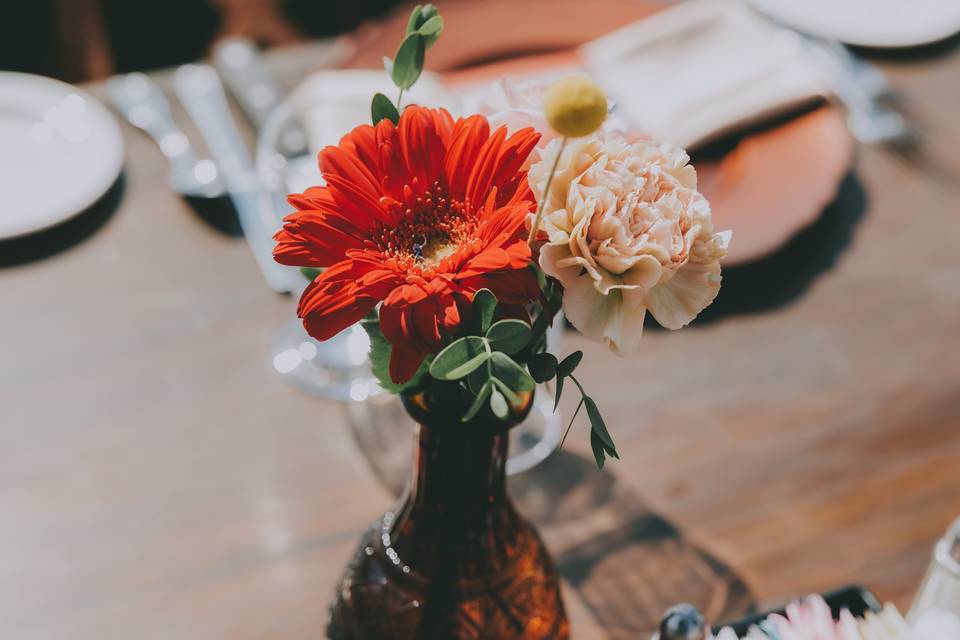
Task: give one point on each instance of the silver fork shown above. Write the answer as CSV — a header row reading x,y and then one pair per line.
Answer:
x,y
863,90
141,101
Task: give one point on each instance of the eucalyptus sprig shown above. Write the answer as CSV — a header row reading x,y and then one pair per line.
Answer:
x,y
484,361
423,29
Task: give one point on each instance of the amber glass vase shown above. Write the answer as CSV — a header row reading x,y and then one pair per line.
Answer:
x,y
455,560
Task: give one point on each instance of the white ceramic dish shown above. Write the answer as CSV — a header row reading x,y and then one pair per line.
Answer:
x,y
868,23
60,151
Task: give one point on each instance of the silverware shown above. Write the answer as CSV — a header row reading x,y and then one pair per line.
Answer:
x,y
143,104
201,93
863,91
245,73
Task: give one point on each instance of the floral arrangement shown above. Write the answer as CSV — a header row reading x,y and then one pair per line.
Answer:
x,y
457,245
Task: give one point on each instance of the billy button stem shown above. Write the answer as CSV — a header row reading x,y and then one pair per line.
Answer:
x,y
546,194
574,107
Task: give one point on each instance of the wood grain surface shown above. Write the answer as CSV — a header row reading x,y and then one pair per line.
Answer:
x,y
159,480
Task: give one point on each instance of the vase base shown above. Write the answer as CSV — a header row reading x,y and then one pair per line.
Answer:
x,y
379,597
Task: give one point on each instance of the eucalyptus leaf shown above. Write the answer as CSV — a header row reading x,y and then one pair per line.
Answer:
x,y
310,273
479,401
568,364
508,335
498,404
415,20
477,378
542,366
381,108
599,428
431,29
598,453
511,373
506,391
408,63
483,307
459,358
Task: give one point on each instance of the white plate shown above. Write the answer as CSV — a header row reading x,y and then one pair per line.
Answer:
x,y
60,150
868,23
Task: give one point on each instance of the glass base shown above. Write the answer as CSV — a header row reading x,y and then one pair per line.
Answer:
x,y
335,369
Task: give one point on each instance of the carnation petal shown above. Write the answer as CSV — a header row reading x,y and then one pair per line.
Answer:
x,y
677,301
603,318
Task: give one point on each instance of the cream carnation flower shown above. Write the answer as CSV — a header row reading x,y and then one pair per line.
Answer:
x,y
627,231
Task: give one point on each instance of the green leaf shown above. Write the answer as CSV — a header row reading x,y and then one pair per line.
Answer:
x,y
408,63
380,349
431,29
568,364
543,366
381,108
310,273
556,402
509,335
498,404
506,390
597,446
484,306
478,402
415,20
599,428
477,379
510,373
459,358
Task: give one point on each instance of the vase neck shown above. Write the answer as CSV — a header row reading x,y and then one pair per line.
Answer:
x,y
456,516
457,477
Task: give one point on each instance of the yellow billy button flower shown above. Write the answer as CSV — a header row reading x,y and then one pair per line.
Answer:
x,y
575,106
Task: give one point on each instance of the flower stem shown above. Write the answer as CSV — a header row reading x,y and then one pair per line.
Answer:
x,y
546,194
399,99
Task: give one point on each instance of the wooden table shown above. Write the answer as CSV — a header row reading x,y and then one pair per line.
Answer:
x,y
159,480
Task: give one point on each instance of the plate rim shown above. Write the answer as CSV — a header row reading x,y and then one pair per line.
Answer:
x,y
107,130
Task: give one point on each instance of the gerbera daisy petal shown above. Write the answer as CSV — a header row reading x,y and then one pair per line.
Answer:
x,y
337,161
404,363
329,308
422,144
481,175
466,140
511,158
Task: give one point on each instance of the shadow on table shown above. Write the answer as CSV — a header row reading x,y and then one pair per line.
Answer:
x,y
929,51
784,276
627,563
48,242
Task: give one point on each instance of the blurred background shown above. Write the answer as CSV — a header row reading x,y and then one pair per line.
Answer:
x,y
178,459
80,40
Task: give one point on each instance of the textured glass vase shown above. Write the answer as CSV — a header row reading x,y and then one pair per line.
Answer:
x,y
455,560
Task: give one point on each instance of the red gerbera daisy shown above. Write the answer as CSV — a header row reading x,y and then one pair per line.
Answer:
x,y
419,216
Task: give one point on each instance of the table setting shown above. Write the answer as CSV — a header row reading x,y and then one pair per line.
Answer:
x,y
212,391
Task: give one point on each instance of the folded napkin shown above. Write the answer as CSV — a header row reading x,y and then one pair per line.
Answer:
x,y
701,68
332,102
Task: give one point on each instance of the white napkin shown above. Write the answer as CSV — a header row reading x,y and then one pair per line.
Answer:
x,y
332,102
691,72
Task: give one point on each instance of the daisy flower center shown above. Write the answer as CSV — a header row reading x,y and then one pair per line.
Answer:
x,y
431,228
